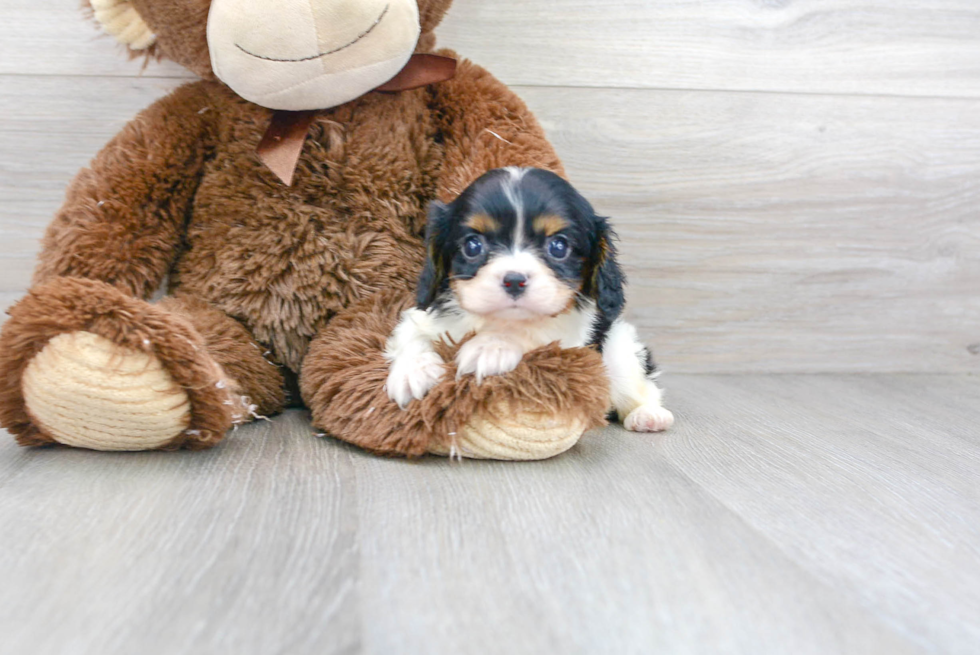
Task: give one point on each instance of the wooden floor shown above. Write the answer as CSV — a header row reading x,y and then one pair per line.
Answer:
x,y
783,514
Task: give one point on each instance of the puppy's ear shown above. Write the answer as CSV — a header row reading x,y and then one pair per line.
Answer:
x,y
435,272
605,281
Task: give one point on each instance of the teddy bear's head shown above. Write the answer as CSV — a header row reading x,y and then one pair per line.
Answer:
x,y
282,54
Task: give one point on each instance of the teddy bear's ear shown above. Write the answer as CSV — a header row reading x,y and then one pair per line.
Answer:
x,y
121,19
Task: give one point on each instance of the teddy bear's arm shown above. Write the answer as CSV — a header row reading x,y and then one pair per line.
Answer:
x,y
123,217
485,125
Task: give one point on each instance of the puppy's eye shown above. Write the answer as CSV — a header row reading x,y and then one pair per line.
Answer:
x,y
473,246
558,248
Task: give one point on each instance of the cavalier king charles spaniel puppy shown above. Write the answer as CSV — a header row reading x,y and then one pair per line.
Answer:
x,y
521,259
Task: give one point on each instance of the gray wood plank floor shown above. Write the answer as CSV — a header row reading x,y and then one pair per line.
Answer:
x,y
783,514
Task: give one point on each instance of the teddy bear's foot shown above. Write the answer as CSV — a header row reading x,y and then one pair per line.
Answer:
x,y
505,433
86,391
85,365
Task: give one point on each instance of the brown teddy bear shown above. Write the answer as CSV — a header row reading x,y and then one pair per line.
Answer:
x,y
285,195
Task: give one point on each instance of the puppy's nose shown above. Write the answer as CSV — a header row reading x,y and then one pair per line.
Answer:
x,y
515,283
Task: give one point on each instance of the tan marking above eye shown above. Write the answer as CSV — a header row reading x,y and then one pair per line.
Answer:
x,y
549,224
482,223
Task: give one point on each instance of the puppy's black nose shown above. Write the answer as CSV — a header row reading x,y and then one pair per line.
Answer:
x,y
515,283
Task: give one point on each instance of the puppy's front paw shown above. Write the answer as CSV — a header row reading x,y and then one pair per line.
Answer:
x,y
485,355
412,377
649,418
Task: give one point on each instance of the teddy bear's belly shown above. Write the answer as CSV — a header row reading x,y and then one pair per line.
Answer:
x,y
284,276
284,260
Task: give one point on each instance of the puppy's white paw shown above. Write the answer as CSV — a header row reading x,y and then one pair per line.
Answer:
x,y
412,377
486,355
649,418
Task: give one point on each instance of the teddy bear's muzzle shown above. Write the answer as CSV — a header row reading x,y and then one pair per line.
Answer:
x,y
310,54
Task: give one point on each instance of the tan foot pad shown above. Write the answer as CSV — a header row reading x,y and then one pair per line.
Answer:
x,y
86,391
503,435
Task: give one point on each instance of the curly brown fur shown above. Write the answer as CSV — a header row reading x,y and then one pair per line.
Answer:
x,y
230,345
284,260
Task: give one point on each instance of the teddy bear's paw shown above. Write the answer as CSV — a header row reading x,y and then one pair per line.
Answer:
x,y
88,392
485,355
507,432
649,418
413,376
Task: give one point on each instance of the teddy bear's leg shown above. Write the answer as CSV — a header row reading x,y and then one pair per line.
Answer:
x,y
86,365
537,411
257,379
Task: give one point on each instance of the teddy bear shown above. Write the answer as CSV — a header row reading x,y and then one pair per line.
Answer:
x,y
282,197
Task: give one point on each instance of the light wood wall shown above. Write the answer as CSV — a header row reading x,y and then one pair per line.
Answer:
x,y
796,182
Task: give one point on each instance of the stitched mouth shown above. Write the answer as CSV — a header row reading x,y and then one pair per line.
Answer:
x,y
360,36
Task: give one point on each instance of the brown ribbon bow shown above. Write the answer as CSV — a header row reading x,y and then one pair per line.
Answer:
x,y
283,141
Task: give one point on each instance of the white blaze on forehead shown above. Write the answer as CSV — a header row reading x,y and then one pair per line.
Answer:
x,y
512,191
518,261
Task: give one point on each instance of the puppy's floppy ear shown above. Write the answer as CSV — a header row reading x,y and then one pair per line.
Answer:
x,y
604,280
435,272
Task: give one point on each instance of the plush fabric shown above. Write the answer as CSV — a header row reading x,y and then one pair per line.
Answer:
x,y
271,281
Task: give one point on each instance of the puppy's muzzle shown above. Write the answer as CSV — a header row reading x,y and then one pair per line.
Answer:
x,y
515,284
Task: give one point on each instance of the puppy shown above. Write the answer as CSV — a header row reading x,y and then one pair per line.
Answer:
x,y
521,259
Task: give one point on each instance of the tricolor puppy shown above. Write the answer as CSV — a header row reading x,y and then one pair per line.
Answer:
x,y
521,259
